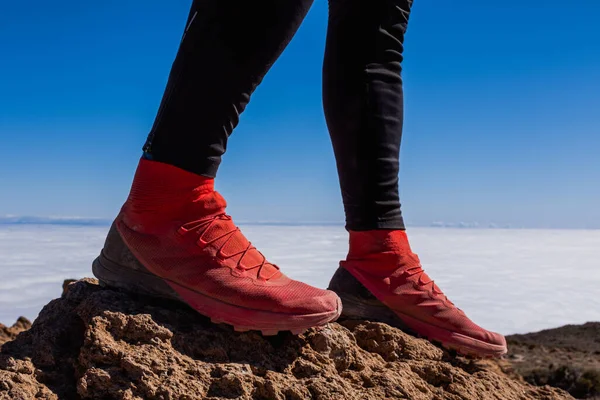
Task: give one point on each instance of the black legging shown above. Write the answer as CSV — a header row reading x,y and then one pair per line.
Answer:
x,y
227,49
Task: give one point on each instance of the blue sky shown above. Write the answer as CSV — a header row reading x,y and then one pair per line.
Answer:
x,y
502,120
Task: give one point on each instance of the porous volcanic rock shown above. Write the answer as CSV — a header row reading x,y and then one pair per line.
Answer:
x,y
97,343
9,333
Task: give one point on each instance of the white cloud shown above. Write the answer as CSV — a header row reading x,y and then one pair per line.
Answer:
x,y
506,280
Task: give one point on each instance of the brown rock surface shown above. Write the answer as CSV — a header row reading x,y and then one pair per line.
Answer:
x,y
9,333
101,344
566,357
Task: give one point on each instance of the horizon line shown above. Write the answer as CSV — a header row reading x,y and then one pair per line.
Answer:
x,y
97,221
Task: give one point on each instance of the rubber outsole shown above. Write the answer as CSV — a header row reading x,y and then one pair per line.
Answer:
x,y
242,319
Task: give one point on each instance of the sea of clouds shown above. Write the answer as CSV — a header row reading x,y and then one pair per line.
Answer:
x,y
510,281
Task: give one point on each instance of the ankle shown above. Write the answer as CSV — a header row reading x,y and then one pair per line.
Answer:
x,y
378,241
155,179
166,191
380,251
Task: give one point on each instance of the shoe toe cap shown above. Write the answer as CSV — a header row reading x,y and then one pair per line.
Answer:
x,y
315,301
495,339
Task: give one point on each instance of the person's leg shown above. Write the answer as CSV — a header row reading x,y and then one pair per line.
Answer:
x,y
381,277
172,237
227,48
363,101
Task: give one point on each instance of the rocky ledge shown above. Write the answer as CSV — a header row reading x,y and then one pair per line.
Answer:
x,y
97,343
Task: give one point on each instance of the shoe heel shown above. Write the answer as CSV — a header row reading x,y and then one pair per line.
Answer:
x,y
359,303
112,275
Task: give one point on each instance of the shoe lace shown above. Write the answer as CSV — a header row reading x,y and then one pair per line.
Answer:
x,y
204,225
415,269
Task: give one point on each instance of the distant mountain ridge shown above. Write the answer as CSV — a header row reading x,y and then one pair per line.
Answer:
x,y
29,220
86,221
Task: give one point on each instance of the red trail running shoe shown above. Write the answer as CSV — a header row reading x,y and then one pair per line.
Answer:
x,y
382,280
173,239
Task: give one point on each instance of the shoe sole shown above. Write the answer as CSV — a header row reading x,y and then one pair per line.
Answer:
x,y
242,319
354,308
374,310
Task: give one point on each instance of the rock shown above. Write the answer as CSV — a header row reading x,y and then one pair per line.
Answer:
x,y
566,357
96,343
66,283
9,333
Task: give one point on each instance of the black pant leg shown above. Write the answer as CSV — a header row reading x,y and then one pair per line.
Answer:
x,y
228,47
363,100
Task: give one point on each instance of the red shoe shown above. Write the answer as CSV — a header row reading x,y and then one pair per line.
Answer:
x,y
382,280
173,239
